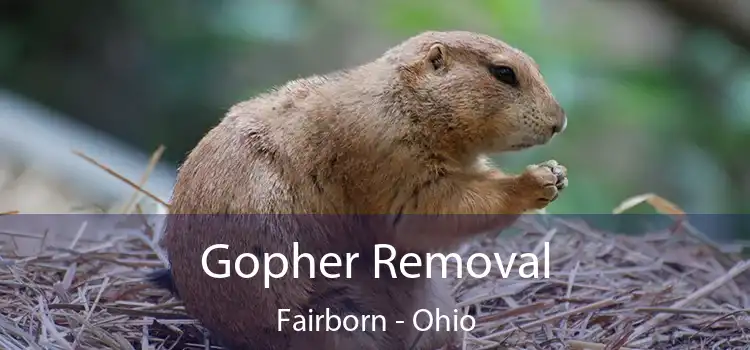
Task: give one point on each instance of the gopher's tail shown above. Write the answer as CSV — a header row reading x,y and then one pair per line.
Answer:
x,y
162,278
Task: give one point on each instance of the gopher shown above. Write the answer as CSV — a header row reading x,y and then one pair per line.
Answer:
x,y
393,151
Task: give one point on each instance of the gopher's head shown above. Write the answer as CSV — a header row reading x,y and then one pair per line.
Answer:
x,y
477,90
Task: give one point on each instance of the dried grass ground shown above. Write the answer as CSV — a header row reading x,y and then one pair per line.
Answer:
x,y
664,290
661,290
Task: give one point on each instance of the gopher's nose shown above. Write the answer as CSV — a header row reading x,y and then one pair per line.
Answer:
x,y
560,127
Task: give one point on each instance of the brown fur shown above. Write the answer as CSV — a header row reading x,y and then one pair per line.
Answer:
x,y
407,133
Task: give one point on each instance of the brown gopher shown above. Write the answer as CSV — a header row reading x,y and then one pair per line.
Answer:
x,y
405,134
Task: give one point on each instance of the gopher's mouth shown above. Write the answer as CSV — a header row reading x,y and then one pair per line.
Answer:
x,y
521,146
530,142
527,140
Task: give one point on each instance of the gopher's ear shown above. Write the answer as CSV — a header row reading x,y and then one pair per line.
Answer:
x,y
437,57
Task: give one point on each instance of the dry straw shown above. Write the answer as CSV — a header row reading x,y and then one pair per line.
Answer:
x,y
671,289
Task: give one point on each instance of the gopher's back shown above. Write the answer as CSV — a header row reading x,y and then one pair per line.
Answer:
x,y
310,146
268,164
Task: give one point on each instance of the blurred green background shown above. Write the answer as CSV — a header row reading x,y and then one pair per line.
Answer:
x,y
657,92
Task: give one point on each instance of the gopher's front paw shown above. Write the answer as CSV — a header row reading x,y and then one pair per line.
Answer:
x,y
542,183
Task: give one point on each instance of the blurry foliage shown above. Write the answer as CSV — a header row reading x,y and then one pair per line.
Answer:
x,y
156,72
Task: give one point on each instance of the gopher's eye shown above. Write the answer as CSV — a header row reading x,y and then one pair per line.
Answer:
x,y
504,74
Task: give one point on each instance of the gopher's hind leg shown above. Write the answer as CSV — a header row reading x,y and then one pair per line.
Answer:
x,y
429,295
378,305
343,317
